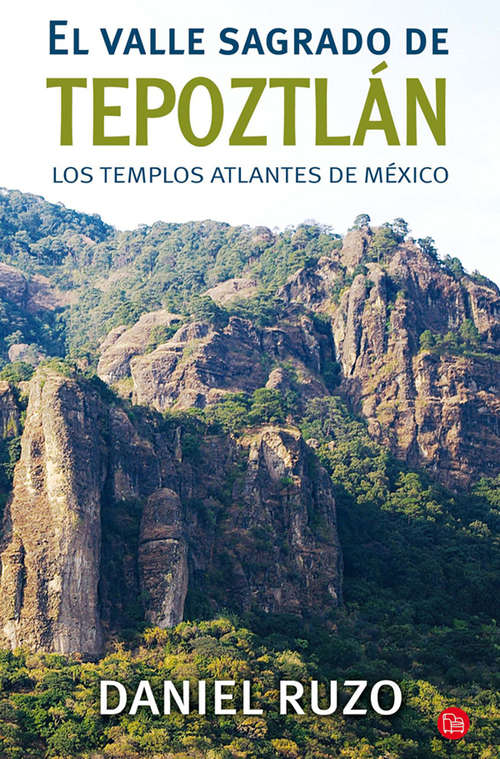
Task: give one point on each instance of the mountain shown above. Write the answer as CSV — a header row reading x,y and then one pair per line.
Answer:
x,y
297,429
99,499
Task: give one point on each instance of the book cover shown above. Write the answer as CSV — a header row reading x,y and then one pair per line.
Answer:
x,y
249,410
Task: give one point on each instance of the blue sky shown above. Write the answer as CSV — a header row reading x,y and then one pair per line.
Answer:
x,y
461,215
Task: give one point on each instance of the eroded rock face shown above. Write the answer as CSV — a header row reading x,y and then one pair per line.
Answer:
x,y
29,354
51,551
433,411
163,558
313,286
119,515
376,324
440,412
200,363
354,248
34,293
270,542
115,518
122,344
230,289
289,505
13,284
10,412
457,411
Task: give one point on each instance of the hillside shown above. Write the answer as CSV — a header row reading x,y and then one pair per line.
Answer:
x,y
283,445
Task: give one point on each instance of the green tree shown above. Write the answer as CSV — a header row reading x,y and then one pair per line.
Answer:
x,y
230,413
361,220
454,265
427,340
203,308
427,246
68,739
17,371
161,334
384,241
469,333
400,229
266,406
451,341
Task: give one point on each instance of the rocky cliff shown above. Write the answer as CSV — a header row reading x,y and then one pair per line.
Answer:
x,y
377,291
436,407
113,519
202,362
52,531
178,483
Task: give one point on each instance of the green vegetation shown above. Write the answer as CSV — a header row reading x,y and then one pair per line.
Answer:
x,y
161,334
27,220
465,341
49,703
421,563
430,542
383,242
386,238
262,309
170,265
454,266
18,371
400,229
10,450
203,308
428,246
361,220
236,411
117,276
411,549
44,330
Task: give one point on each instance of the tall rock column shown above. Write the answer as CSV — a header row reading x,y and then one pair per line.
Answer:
x,y
163,565
52,533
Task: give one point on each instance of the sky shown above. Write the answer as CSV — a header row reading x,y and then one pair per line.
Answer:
x,y
461,215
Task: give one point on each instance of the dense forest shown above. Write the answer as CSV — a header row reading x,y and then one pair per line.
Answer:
x,y
114,276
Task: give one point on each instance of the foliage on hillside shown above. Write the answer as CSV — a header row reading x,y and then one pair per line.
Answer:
x,y
50,703
421,563
419,589
117,276
465,341
38,233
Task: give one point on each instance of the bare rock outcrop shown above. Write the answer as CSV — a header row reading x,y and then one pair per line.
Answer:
x,y
13,284
123,343
378,311
117,517
33,293
163,558
201,363
433,410
29,354
436,411
230,289
290,507
51,551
